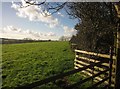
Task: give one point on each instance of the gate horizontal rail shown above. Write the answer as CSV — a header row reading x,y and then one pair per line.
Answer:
x,y
87,79
55,77
83,58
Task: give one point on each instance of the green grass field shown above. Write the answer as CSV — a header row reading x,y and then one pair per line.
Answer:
x,y
30,62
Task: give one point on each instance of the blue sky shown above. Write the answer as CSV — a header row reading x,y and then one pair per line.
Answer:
x,y
28,23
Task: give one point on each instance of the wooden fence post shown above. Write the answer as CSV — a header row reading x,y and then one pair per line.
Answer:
x,y
110,65
117,70
117,74
75,60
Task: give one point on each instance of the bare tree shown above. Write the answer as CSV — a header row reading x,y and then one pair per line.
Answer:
x,y
46,6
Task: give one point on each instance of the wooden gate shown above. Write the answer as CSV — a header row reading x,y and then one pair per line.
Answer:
x,y
83,58
96,67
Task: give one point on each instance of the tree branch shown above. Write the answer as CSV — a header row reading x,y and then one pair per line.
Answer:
x,y
48,8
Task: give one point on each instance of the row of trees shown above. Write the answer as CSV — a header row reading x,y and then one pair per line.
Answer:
x,y
25,40
64,38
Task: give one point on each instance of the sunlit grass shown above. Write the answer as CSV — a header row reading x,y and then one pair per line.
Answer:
x,y
30,62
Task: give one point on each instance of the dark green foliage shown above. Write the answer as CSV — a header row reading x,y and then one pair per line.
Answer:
x,y
96,27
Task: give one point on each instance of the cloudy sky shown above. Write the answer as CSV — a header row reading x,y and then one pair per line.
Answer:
x,y
29,22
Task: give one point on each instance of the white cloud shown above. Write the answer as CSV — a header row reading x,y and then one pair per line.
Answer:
x,y
51,34
12,29
60,14
69,31
34,13
18,33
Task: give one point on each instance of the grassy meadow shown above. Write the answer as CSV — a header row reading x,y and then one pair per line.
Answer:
x,y
29,62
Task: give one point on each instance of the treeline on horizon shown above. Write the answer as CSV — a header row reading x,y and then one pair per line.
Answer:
x,y
14,41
